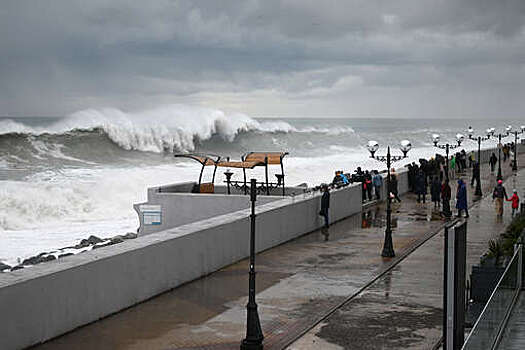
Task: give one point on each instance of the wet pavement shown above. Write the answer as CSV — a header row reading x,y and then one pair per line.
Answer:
x,y
301,282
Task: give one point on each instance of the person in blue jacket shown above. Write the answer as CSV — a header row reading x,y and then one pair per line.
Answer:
x,y
461,199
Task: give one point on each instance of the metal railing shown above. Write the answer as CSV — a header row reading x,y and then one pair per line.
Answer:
x,y
489,327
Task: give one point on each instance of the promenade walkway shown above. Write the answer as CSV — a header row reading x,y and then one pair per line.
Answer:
x,y
514,336
301,282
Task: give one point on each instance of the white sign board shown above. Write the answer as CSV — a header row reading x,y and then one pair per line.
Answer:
x,y
151,214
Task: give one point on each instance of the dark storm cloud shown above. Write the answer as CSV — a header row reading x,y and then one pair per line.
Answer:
x,y
405,57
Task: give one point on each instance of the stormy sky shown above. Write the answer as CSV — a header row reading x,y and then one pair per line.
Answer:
x,y
402,58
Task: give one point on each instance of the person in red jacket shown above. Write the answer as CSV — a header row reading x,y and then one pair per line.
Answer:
x,y
515,202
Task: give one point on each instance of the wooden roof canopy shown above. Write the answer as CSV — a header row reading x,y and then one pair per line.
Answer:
x,y
248,161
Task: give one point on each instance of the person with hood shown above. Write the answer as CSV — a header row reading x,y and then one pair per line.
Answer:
x,y
461,198
498,195
492,161
446,194
515,201
325,205
435,191
421,186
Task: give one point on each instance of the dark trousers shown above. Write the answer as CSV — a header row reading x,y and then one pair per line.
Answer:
x,y
474,179
419,197
326,221
377,190
446,208
460,210
369,191
396,197
492,166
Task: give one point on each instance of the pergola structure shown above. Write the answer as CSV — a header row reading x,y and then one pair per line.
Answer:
x,y
248,161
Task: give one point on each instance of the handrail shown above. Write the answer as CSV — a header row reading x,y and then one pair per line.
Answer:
x,y
516,255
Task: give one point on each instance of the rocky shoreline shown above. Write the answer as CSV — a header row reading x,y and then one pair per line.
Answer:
x,y
90,243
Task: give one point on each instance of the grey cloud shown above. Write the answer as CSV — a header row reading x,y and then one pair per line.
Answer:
x,y
60,56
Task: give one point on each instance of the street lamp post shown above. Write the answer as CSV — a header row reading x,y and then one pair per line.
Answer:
x,y
254,335
228,175
515,163
499,177
447,147
373,146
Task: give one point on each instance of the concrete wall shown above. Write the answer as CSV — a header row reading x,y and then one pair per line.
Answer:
x,y
183,208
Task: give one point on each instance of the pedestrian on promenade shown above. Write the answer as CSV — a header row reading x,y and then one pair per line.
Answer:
x,y
446,193
453,166
492,161
378,184
471,159
325,205
461,198
515,202
498,195
421,186
475,173
368,184
435,191
393,188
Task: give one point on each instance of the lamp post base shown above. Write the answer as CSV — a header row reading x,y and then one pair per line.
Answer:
x,y
388,247
254,335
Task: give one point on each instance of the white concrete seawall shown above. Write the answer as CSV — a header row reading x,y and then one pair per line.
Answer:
x,y
50,299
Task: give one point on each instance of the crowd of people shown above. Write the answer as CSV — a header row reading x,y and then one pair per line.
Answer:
x,y
428,176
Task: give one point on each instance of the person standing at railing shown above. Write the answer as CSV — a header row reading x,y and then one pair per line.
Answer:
x,y
446,194
325,205
377,180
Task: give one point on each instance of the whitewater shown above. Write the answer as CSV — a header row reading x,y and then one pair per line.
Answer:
x,y
63,179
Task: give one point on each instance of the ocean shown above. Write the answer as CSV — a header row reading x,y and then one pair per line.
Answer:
x,y
65,178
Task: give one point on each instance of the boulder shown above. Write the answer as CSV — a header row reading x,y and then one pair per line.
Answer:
x,y
18,267
100,245
91,240
4,267
117,239
40,258
130,235
64,255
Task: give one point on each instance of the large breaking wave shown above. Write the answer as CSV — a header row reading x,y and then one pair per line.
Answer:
x,y
165,129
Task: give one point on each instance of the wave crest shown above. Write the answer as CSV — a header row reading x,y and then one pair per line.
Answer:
x,y
164,129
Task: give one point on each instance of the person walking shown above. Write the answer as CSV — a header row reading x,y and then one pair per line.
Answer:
x,y
325,205
475,173
498,195
393,188
435,191
421,187
515,202
461,199
492,161
446,194
377,181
